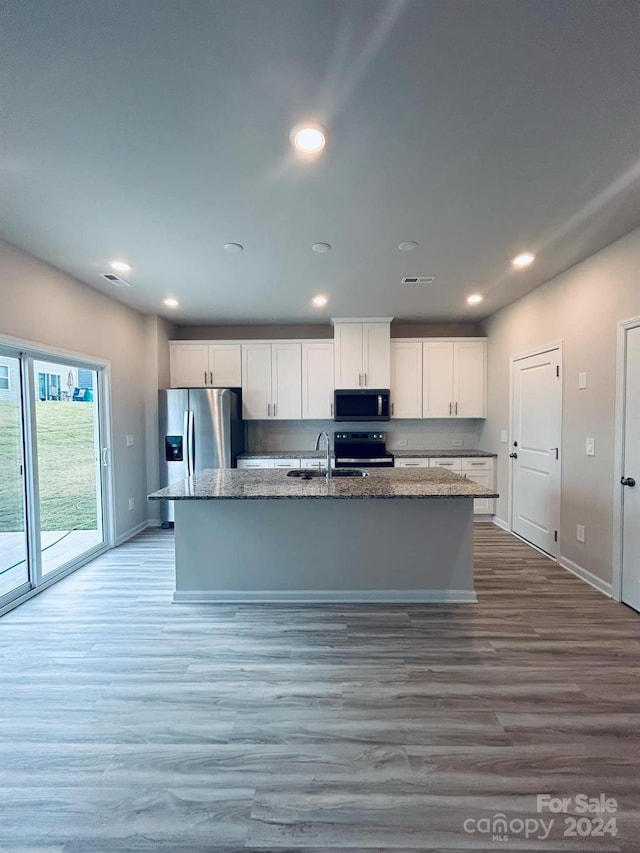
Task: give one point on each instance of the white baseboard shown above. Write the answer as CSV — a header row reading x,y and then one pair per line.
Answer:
x,y
602,586
482,518
153,522
500,522
128,534
327,596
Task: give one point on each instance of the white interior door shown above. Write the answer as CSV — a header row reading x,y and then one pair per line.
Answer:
x,y
536,433
631,473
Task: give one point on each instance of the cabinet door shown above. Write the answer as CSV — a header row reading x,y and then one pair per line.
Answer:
x,y
376,355
189,365
348,354
317,381
469,379
406,379
225,365
437,379
286,382
256,381
482,506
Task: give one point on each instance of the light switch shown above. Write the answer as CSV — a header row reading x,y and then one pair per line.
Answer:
x,y
582,381
504,436
591,447
130,439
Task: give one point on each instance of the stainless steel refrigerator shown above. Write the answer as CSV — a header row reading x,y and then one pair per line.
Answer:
x,y
199,428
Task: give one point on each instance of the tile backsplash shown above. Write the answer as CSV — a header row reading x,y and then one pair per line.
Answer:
x,y
418,434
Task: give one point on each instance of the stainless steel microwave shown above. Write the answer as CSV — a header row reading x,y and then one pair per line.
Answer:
x,y
361,404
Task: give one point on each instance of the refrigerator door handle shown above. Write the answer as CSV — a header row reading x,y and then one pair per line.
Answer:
x,y
192,445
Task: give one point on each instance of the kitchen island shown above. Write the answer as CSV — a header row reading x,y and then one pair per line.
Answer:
x,y
396,536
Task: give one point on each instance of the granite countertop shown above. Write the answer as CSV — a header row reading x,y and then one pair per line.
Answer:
x,y
237,484
400,454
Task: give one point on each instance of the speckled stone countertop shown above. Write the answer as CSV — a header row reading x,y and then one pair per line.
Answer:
x,y
400,454
237,484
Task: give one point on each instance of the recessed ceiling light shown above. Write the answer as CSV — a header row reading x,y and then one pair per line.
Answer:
x,y
319,300
170,302
233,248
321,247
407,246
523,260
308,137
120,266
474,299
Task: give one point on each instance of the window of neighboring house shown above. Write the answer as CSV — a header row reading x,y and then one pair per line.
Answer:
x,y
4,377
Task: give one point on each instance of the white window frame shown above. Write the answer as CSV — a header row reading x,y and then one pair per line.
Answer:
x,y
8,377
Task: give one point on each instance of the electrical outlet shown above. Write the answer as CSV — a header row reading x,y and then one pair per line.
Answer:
x,y
130,439
591,447
402,442
580,532
457,442
132,503
504,436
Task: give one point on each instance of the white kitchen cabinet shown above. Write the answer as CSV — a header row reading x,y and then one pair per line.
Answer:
x,y
203,364
453,379
406,379
406,462
268,462
481,471
452,464
362,354
317,380
272,381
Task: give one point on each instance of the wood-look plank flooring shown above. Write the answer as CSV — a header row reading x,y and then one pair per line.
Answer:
x,y
128,723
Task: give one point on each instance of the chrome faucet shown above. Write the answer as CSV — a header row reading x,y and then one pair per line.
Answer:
x,y
328,446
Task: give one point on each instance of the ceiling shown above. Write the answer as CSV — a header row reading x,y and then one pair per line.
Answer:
x,y
157,131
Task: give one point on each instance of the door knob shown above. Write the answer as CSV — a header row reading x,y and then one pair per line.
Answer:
x,y
513,456
628,481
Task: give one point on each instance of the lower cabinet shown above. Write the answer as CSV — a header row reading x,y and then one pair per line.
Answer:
x,y
269,462
478,469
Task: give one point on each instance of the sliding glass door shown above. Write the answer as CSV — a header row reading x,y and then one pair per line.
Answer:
x,y
14,571
68,452
52,482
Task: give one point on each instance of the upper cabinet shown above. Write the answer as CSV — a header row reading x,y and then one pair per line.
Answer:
x,y
406,379
362,353
272,381
317,380
454,378
215,365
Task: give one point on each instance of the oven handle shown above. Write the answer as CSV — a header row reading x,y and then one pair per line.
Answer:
x,y
362,461
379,405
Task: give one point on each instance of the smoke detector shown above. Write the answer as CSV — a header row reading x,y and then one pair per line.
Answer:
x,y
115,280
418,279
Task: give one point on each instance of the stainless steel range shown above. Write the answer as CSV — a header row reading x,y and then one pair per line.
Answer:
x,y
364,449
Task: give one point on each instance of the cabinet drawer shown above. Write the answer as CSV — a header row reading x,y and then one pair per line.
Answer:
x,y
411,463
471,465
451,464
255,463
293,462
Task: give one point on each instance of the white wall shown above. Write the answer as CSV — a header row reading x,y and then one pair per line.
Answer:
x,y
581,307
41,304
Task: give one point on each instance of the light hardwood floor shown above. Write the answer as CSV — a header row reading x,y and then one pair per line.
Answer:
x,y
128,723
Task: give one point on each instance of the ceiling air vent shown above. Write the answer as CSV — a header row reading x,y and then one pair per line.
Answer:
x,y
115,279
418,279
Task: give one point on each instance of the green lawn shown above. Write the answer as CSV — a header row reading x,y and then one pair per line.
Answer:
x,y
66,459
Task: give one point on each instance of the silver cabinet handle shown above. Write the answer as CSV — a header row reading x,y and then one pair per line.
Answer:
x,y
392,408
477,463
365,380
456,408
211,377
268,410
274,410
205,377
360,380
450,407
331,409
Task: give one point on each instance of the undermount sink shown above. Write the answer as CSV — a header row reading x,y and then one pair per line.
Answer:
x,y
310,473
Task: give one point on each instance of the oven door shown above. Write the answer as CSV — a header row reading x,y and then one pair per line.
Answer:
x,y
361,404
